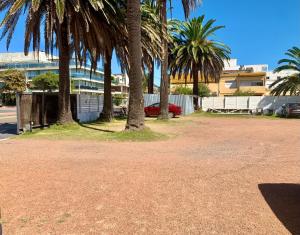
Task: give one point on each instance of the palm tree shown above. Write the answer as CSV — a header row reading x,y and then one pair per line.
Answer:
x,y
135,120
150,39
164,84
150,17
196,52
69,25
290,84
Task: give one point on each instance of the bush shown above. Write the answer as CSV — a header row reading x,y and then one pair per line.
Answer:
x,y
12,81
46,82
181,90
203,90
118,99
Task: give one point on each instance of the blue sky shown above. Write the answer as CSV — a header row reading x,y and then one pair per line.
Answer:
x,y
258,31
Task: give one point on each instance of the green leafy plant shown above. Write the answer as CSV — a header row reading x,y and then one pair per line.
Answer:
x,y
118,99
46,82
290,84
204,91
181,90
13,81
196,53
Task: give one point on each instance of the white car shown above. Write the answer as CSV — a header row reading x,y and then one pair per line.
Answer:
x,y
268,110
279,112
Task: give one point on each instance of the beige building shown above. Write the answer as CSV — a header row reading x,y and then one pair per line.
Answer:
x,y
234,78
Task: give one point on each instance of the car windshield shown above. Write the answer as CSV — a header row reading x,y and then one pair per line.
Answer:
x,y
155,105
294,105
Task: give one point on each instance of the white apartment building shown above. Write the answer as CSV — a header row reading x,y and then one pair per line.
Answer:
x,y
272,76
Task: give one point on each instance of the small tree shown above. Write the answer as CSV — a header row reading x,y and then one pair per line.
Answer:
x,y
204,91
46,82
13,81
181,90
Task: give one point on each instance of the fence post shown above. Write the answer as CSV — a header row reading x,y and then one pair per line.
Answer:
x,y
18,113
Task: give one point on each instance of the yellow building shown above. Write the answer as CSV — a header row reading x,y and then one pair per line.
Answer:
x,y
229,83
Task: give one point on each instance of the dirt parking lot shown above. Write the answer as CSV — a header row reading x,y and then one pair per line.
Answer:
x,y
214,176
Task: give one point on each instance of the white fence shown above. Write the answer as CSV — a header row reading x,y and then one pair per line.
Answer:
x,y
184,101
246,102
89,107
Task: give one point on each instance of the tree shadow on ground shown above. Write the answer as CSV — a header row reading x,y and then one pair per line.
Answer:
x,y
284,200
8,128
95,129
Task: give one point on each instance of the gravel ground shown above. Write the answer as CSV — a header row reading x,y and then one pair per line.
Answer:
x,y
218,176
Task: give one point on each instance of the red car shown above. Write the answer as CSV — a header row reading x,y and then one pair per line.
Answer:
x,y
154,110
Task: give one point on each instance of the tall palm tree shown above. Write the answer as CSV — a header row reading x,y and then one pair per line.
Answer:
x,y
150,39
150,15
290,84
69,25
164,83
196,53
135,120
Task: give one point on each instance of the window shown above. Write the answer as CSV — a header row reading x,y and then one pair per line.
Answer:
x,y
230,84
258,83
264,69
155,105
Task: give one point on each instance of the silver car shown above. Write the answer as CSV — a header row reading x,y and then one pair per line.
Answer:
x,y
280,111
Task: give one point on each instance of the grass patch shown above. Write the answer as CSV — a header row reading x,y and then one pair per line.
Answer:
x,y
93,131
144,135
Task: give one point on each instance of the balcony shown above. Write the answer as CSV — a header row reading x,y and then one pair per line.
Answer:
x,y
256,89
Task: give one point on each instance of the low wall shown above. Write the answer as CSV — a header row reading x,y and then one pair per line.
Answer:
x,y
246,102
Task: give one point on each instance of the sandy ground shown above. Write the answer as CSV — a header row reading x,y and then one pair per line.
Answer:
x,y
218,176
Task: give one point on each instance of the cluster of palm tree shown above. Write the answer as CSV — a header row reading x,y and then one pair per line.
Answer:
x,y
290,84
137,31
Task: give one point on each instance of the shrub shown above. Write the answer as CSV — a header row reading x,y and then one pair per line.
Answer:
x,y
204,91
118,99
12,81
46,82
181,90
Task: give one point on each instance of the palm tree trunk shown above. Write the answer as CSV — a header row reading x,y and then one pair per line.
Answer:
x,y
64,103
135,120
195,88
107,113
151,79
164,83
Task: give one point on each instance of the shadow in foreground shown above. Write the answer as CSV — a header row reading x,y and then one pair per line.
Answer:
x,y
8,128
284,200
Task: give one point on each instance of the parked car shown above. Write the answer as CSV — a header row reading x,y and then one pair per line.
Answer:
x,y
291,110
280,111
154,110
267,110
